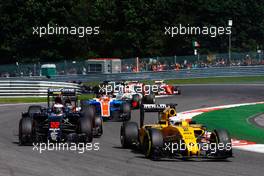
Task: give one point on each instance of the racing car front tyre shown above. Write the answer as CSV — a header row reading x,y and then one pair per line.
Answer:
x,y
221,138
98,125
126,110
85,128
26,131
129,134
152,143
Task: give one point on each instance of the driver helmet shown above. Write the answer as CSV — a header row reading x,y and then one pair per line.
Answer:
x,y
58,100
58,108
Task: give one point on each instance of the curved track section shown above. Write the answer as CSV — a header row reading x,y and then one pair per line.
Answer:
x,y
112,160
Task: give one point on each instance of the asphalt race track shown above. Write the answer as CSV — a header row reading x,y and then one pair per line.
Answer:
x,y
112,160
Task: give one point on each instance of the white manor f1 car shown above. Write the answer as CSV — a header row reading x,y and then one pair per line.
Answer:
x,y
134,92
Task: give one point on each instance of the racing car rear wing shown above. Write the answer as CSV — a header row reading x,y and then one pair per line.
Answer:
x,y
153,108
71,93
62,91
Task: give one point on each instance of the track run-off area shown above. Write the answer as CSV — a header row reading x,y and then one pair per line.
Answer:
x,y
112,160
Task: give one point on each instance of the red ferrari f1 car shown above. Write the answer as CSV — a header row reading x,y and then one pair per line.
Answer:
x,y
166,89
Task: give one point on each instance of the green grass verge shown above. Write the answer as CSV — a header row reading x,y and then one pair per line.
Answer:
x,y
23,100
214,80
235,120
86,96
38,99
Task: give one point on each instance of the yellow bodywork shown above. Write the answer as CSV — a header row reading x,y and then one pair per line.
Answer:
x,y
184,132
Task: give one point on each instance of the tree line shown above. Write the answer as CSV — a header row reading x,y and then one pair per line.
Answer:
x,y
128,28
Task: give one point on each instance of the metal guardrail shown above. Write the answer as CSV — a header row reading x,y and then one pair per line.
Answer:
x,y
37,86
180,74
21,88
173,74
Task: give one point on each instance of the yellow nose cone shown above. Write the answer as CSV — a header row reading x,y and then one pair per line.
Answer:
x,y
193,148
185,123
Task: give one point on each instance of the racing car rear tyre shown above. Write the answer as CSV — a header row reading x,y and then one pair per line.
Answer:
x,y
85,125
26,131
115,116
126,108
128,116
221,136
178,90
149,99
129,134
34,109
88,111
152,143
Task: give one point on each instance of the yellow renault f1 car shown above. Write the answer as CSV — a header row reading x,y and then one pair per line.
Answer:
x,y
181,139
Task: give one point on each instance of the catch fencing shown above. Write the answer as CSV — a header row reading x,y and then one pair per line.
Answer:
x,y
76,67
168,75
